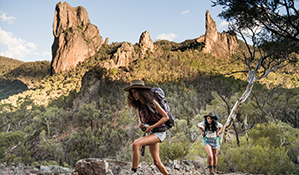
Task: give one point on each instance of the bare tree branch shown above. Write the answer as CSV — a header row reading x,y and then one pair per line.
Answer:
x,y
19,143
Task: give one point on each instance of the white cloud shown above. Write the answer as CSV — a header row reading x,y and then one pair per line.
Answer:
x,y
166,36
16,47
9,19
223,25
46,53
185,12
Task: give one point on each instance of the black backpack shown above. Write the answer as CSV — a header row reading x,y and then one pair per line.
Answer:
x,y
160,97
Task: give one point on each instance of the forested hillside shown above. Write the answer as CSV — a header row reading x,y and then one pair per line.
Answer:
x,y
17,76
56,120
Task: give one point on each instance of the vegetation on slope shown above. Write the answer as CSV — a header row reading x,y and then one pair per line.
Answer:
x,y
39,125
8,64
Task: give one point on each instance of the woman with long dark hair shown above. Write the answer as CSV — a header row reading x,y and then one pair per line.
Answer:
x,y
210,130
151,120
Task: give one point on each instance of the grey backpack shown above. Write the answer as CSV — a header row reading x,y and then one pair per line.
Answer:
x,y
160,97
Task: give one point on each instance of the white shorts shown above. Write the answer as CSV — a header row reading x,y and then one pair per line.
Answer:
x,y
160,135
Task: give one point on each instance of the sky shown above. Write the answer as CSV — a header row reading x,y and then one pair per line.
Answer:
x,y
26,27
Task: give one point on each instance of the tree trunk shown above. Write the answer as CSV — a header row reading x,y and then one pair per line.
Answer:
x,y
246,127
237,135
233,113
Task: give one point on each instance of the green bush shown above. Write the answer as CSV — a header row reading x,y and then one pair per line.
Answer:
x,y
197,149
177,148
8,141
256,159
264,152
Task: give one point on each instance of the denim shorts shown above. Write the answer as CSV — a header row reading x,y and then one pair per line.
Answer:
x,y
160,135
213,142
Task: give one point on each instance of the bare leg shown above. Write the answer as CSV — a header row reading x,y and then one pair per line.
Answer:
x,y
215,159
208,149
154,150
144,141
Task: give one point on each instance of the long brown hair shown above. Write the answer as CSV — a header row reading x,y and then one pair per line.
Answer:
x,y
145,94
213,124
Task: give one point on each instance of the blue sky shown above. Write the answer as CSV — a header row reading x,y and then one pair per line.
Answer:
x,y
26,26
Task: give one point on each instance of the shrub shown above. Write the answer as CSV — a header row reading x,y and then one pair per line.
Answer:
x,y
263,153
197,149
177,148
8,141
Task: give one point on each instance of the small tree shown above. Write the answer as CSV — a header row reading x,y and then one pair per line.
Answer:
x,y
270,37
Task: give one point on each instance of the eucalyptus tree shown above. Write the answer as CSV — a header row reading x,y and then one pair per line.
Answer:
x,y
270,30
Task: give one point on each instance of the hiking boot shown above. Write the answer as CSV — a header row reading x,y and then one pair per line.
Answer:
x,y
134,171
215,169
211,170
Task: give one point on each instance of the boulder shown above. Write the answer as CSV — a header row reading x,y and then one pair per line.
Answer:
x,y
94,166
91,166
75,38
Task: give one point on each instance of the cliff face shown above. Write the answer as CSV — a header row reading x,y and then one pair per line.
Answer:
x,y
75,38
218,44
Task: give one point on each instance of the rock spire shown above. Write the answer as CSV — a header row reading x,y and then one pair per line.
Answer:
x,y
75,38
218,44
146,43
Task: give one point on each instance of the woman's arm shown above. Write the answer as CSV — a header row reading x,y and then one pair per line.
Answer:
x,y
200,129
200,126
140,125
219,131
163,119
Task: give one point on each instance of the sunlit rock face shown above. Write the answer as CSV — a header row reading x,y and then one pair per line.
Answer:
x,y
75,38
146,43
222,45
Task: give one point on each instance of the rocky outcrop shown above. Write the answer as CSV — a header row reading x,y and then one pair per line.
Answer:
x,y
232,42
106,41
93,166
21,169
146,43
94,80
90,88
218,44
123,55
75,38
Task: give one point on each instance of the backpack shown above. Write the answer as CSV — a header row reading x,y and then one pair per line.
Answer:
x,y
160,97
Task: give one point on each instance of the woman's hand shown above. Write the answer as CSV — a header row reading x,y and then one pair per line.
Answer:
x,y
148,129
140,125
218,134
